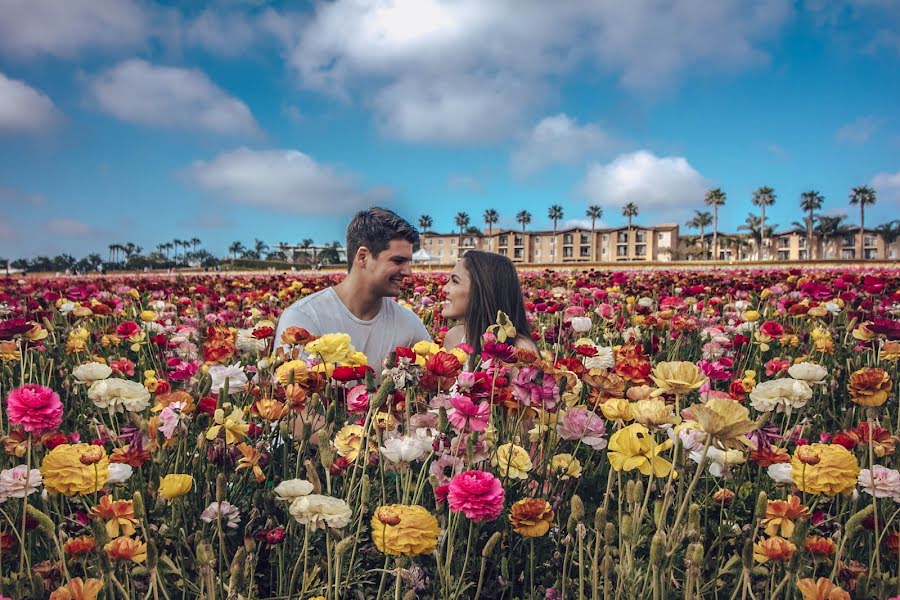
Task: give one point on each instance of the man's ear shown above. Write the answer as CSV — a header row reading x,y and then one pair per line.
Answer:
x,y
363,254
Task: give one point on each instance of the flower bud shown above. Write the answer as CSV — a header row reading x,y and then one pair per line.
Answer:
x,y
490,545
657,545
762,504
808,456
91,456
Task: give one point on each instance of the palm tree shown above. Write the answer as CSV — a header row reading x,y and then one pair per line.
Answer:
x,y
701,221
523,217
195,242
862,195
259,247
112,249
810,202
828,228
555,213
629,210
594,212
462,221
234,248
490,218
757,229
763,197
715,198
889,232
425,223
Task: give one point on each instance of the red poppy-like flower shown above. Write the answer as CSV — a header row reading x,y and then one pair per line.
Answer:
x,y
570,363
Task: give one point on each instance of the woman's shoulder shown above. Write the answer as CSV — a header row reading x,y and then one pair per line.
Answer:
x,y
454,337
526,343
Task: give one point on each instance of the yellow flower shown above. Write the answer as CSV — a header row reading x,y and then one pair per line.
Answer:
x,y
634,448
460,355
234,425
834,473
175,485
331,347
401,529
148,315
126,548
64,472
293,371
357,359
617,409
654,413
347,441
677,377
426,348
512,460
726,420
751,315
566,466
821,589
503,328
78,589
870,387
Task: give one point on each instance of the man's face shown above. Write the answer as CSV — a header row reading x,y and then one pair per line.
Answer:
x,y
386,272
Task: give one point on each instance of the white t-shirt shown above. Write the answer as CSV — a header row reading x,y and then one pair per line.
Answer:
x,y
323,312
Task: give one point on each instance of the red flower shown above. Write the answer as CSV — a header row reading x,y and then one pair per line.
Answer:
x,y
344,374
207,405
405,352
262,333
127,329
772,329
570,363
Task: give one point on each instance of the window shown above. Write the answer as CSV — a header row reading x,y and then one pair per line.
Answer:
x,y
784,254
803,242
537,251
660,236
784,242
585,252
622,251
567,252
585,238
537,241
552,251
622,237
452,250
519,240
641,237
870,253
869,240
567,238
803,255
605,237
849,241
604,251
848,253
504,240
517,253
641,250
441,242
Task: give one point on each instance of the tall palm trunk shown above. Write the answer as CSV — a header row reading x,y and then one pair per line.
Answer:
x,y
715,241
862,230
593,240
809,232
762,231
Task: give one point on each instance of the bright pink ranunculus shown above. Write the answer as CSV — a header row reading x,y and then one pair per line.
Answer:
x,y
36,408
127,329
476,494
772,329
358,399
467,416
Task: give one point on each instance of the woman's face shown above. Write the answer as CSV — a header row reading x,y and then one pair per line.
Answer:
x,y
457,292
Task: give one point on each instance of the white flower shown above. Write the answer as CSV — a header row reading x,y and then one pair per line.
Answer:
x,y
780,395
403,448
13,482
291,489
809,372
645,302
170,417
880,482
91,372
719,460
581,324
833,307
629,334
245,342
604,359
119,395
320,511
119,472
66,307
233,374
231,514
780,472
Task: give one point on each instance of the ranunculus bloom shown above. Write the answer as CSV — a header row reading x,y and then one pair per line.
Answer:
x,y
405,448
347,441
119,516
726,420
819,546
565,466
880,482
654,413
37,409
19,482
870,387
512,461
780,395
64,472
780,515
477,494
91,372
78,589
677,377
808,372
175,485
321,511
358,399
408,530
582,424
835,473
126,548
531,517
332,348
291,489
119,395
773,548
231,515
821,589
233,374
467,416
633,447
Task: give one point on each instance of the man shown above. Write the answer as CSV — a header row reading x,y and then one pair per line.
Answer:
x,y
379,253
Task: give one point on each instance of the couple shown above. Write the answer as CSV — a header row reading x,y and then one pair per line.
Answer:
x,y
379,257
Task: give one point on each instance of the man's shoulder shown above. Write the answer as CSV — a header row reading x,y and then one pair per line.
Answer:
x,y
314,299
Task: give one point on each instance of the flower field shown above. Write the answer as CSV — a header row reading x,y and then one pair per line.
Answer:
x,y
682,434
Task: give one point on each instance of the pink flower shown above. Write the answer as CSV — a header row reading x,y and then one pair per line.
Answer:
x,y
582,424
36,408
180,369
476,494
439,468
529,392
358,399
777,365
466,416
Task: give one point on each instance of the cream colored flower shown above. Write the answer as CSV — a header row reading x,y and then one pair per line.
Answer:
x,y
512,461
780,395
291,489
320,511
726,420
119,395
91,372
809,372
677,377
654,413
565,466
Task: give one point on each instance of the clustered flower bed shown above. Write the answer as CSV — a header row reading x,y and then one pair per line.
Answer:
x,y
726,433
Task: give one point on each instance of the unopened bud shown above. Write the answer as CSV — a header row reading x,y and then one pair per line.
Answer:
x,y
656,548
577,507
762,504
91,456
808,456
490,545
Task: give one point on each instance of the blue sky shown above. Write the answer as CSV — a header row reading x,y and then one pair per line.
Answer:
x,y
128,121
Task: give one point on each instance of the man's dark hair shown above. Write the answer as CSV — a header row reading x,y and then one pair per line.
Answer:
x,y
375,228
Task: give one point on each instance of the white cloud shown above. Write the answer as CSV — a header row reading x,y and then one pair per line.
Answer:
x,y
557,139
23,109
857,132
69,227
887,186
661,187
64,29
415,53
284,180
139,92
583,224
232,31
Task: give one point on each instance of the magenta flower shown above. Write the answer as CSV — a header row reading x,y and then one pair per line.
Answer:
x,y
358,399
467,416
582,424
36,408
531,392
476,494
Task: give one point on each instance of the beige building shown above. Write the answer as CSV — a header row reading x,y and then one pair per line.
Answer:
x,y
792,245
566,246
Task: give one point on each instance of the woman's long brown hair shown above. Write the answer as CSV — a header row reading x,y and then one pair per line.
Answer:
x,y
494,285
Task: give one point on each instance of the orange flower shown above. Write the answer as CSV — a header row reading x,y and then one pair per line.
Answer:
x,y
773,548
531,517
119,515
632,364
76,589
270,409
250,460
869,387
723,496
780,515
129,456
163,400
821,589
818,545
770,456
79,546
126,548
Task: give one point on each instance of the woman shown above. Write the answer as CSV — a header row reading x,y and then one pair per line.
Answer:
x,y
480,284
